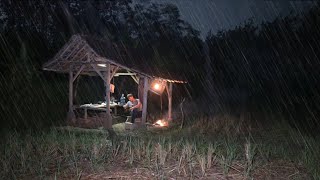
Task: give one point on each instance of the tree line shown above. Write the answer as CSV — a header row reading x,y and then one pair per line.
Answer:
x,y
272,66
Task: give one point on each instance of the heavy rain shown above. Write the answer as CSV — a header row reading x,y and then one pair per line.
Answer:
x,y
159,89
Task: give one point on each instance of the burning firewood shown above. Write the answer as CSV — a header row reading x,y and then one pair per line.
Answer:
x,y
161,123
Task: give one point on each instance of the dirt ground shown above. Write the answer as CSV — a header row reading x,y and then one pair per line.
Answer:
x,y
276,170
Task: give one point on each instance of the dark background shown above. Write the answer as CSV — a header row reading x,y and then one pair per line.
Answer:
x,y
269,69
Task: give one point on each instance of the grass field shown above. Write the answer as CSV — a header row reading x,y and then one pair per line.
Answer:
x,y
220,147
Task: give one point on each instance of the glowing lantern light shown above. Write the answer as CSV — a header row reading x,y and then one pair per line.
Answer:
x,y
156,86
102,65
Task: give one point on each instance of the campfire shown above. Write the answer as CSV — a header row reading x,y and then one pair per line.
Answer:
x,y
161,123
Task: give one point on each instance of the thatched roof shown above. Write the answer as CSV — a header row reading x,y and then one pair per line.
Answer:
x,y
81,52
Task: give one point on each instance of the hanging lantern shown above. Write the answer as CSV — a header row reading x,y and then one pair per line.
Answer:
x,y
158,86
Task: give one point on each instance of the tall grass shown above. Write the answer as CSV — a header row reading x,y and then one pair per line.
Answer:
x,y
205,144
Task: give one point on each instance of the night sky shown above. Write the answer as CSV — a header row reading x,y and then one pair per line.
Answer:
x,y
215,15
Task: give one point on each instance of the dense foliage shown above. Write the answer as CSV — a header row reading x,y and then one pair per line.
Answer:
x,y
272,67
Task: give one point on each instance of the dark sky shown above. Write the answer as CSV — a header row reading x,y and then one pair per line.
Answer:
x,y
215,15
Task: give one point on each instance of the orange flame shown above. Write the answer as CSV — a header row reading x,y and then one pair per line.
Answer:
x,y
161,123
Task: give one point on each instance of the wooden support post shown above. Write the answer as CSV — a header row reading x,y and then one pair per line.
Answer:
x,y
145,100
108,121
71,115
85,113
170,102
161,105
78,73
114,71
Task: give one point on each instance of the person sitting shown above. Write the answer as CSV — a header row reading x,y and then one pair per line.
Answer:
x,y
135,107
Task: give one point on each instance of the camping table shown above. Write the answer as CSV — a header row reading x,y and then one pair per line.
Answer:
x,y
98,107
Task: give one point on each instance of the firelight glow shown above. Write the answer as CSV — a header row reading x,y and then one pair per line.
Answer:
x,y
161,123
102,65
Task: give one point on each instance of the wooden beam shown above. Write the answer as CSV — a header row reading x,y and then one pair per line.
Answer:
x,y
79,55
135,79
99,73
108,121
114,71
102,59
125,74
75,50
73,60
71,114
170,102
160,105
145,100
71,42
78,73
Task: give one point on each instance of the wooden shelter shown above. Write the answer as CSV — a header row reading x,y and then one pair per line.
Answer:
x,y
88,55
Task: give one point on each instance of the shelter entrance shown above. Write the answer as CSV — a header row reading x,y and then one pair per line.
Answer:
x,y
92,114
